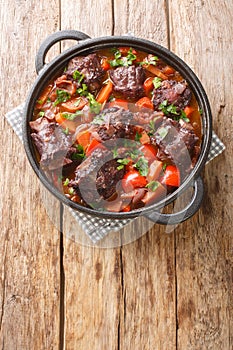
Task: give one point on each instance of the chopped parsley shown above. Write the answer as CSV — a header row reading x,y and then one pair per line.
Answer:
x,y
126,61
78,76
115,152
184,117
95,106
71,116
79,154
153,185
65,183
62,96
162,132
71,190
142,166
40,102
150,60
157,82
164,167
65,131
122,163
138,136
171,109
41,114
99,119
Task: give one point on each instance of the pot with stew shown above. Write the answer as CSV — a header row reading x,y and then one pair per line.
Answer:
x,y
118,127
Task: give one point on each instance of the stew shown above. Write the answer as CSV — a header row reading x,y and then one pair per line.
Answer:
x,y
119,129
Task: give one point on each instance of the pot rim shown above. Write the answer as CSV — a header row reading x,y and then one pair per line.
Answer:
x,y
53,68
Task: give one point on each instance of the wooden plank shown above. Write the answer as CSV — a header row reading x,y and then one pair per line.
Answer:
x,y
204,256
147,318
29,246
92,276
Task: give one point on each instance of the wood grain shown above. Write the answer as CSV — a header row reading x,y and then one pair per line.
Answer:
x,y
29,245
148,265
92,275
204,244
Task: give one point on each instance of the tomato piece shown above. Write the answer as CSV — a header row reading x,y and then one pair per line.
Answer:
x,y
132,180
105,64
124,50
149,151
145,102
171,176
93,145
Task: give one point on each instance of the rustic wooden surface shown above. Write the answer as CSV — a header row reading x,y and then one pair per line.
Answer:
x,y
163,291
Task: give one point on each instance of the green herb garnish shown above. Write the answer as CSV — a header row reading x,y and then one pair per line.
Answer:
x,y
138,136
78,76
65,183
142,166
71,116
126,61
153,185
41,114
150,60
122,162
95,106
65,131
62,96
79,154
157,82
162,132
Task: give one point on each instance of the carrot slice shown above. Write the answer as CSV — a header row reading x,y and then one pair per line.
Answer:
x,y
148,85
119,102
144,102
188,110
65,123
84,139
155,71
168,70
144,138
105,92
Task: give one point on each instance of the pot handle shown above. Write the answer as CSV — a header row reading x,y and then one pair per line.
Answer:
x,y
184,214
53,39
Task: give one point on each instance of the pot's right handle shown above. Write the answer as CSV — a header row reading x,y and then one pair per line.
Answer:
x,y
53,39
184,214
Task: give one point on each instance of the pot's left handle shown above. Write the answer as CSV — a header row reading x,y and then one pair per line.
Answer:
x,y
53,39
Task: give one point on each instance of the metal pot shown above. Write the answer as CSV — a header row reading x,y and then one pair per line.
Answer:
x,y
86,45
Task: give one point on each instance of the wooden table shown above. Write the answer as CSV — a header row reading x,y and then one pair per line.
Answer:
x,y
163,291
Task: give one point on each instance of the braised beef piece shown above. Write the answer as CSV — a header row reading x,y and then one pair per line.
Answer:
x,y
53,144
128,81
90,67
115,123
107,178
97,176
177,142
176,93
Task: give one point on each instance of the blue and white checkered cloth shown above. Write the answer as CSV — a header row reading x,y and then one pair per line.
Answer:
x,y
98,228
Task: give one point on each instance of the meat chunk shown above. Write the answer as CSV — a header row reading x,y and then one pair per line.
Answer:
x,y
177,143
107,178
176,93
115,123
90,67
53,145
128,81
97,176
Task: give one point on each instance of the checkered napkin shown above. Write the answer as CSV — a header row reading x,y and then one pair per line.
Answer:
x,y
98,228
